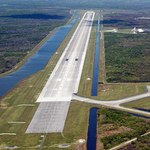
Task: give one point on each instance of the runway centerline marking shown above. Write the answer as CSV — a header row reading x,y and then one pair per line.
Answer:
x,y
67,72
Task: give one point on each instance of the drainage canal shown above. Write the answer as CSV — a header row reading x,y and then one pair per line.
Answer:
x,y
96,61
92,129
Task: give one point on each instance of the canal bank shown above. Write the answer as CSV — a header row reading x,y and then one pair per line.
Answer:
x,y
92,128
37,61
96,61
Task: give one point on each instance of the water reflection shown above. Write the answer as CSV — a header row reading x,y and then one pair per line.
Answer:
x,y
96,62
38,60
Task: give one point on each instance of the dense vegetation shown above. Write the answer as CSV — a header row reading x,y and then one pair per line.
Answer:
x,y
127,57
120,127
126,19
102,3
142,143
22,28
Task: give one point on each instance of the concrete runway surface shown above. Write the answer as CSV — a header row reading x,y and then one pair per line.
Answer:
x,y
65,78
63,82
49,118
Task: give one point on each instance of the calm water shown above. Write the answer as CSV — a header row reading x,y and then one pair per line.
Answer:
x,y
92,129
34,16
37,61
96,62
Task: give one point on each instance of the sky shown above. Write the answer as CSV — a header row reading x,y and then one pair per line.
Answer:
x,y
84,3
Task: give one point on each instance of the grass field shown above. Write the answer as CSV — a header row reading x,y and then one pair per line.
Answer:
x,y
102,61
143,103
118,91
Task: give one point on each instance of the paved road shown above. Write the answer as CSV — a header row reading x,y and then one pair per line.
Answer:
x,y
65,78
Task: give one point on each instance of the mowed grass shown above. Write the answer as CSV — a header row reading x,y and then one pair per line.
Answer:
x,y
119,91
143,103
102,71
27,92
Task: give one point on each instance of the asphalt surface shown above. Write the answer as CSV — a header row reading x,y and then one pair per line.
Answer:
x,y
65,78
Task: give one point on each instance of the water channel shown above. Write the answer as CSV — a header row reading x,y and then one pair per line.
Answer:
x,y
92,129
37,61
96,61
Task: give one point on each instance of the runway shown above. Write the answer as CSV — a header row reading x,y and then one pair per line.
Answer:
x,y
63,82
65,78
49,118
